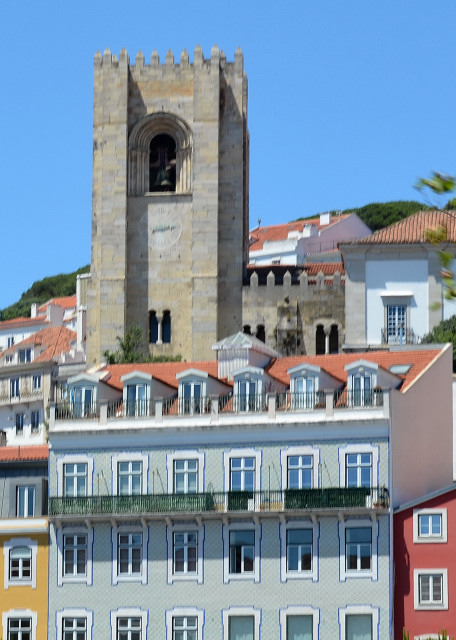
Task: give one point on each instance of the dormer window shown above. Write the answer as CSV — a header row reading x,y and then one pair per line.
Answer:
x,y
83,401
248,389
192,391
362,379
136,393
25,355
304,384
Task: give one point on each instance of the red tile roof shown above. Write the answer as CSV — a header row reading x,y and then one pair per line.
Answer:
x,y
334,364
67,302
278,232
53,340
414,229
163,371
27,322
35,452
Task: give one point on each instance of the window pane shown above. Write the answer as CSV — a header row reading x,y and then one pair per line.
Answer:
x,y
358,627
241,627
299,628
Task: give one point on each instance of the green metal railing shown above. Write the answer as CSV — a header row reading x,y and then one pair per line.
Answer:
x,y
274,500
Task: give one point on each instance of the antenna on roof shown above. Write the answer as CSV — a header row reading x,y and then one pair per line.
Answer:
x,y
259,222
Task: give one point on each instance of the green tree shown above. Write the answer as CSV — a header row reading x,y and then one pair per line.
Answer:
x,y
130,349
444,332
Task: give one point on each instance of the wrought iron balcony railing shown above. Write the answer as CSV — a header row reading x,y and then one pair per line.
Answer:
x,y
273,500
22,396
401,336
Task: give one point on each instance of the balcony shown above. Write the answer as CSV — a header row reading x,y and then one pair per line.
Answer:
x,y
270,404
23,396
221,502
402,336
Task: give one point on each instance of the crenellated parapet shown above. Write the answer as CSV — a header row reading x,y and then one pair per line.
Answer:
x,y
216,60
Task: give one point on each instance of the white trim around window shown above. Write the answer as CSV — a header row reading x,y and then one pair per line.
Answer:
x,y
19,613
358,610
299,611
285,574
129,612
430,603
250,575
239,612
241,453
190,454
74,459
126,529
371,573
129,457
87,578
15,543
74,613
300,451
427,516
184,612
187,576
358,448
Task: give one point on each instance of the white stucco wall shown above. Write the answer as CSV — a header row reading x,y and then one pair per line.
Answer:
x,y
396,275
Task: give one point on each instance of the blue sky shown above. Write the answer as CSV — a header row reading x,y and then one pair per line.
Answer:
x,y
349,102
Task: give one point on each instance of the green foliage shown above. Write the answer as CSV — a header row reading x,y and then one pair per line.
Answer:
x,y
58,286
130,349
444,332
444,636
378,215
438,183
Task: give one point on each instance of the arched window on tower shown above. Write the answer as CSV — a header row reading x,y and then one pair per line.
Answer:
x,y
162,164
166,327
261,333
153,327
320,340
334,339
246,329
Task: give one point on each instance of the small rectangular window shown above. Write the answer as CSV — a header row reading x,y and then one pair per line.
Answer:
x,y
35,421
241,628
25,502
74,555
129,554
358,548
36,382
430,589
299,550
185,552
299,627
75,480
185,628
14,387
186,476
25,355
300,472
20,417
19,629
242,474
430,525
358,626
129,475
74,629
128,628
358,469
20,564
242,551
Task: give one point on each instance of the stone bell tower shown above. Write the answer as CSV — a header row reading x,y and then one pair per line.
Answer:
x,y
170,202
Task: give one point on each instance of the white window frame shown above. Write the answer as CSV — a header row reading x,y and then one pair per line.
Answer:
x,y
10,544
129,457
74,613
430,539
74,459
15,387
286,575
300,451
190,454
359,448
186,612
125,529
35,429
126,612
345,574
359,610
30,489
430,606
235,612
36,381
19,613
185,577
238,526
241,453
299,611
74,531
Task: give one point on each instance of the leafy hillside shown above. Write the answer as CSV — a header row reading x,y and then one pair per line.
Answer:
x,y
381,214
52,287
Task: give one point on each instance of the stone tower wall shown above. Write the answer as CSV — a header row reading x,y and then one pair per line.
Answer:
x,y
184,251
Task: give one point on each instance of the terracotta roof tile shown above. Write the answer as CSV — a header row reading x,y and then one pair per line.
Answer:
x,y
163,371
35,452
278,232
413,230
67,302
55,340
26,322
419,360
